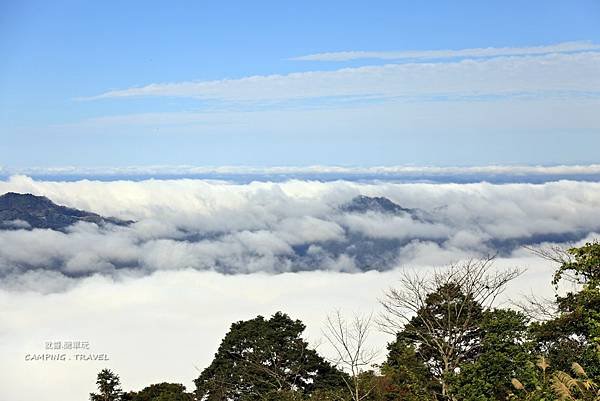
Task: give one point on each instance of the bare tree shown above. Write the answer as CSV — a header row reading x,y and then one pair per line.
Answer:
x,y
439,313
349,339
538,307
552,253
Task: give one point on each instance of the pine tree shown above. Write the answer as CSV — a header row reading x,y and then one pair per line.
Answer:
x,y
109,387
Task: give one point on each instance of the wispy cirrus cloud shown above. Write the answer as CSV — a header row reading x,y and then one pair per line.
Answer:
x,y
563,73
563,47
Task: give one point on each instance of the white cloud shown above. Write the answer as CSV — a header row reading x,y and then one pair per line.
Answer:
x,y
161,327
557,72
506,171
16,224
375,225
153,283
441,54
297,231
288,226
466,125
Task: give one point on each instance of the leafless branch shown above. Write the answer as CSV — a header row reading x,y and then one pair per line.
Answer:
x,y
349,339
552,253
445,334
536,307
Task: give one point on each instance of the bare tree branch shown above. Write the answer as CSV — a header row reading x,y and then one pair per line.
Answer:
x,y
349,339
535,307
464,290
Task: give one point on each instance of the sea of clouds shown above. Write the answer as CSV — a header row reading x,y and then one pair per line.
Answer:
x,y
287,226
159,295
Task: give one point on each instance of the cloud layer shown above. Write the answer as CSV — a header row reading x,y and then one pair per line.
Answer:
x,y
564,47
447,174
285,227
152,296
499,76
167,326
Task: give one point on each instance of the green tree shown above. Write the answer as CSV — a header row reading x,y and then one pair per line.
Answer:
x,y
504,353
408,377
574,333
439,315
538,385
580,266
109,387
379,387
284,395
261,356
161,392
445,333
329,394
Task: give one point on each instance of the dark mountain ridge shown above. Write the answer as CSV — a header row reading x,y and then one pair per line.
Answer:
x,y
27,211
377,204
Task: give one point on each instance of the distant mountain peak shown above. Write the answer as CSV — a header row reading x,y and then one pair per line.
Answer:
x,y
28,211
377,204
18,200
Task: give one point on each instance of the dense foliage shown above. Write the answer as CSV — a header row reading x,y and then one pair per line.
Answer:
x,y
259,357
454,347
160,392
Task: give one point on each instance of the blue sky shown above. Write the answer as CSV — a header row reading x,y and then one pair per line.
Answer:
x,y
263,83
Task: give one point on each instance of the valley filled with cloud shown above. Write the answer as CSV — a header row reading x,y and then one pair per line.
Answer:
x,y
200,254
299,200
292,226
